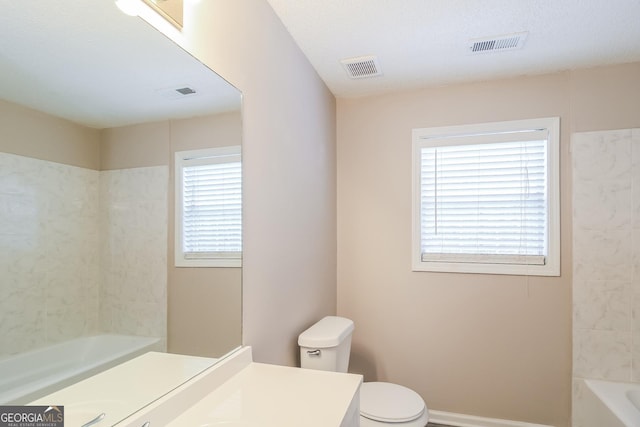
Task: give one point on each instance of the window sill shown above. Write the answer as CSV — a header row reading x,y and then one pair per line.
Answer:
x,y
552,269
215,263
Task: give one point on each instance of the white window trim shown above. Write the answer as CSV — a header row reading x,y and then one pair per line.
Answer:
x,y
224,260
552,264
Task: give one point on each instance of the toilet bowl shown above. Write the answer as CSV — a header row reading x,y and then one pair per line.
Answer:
x,y
326,346
384,404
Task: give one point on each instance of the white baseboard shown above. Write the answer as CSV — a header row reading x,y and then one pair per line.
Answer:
x,y
460,420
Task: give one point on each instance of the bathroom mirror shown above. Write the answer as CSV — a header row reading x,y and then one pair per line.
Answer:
x,y
93,106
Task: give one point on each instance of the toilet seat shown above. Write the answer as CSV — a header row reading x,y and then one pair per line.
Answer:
x,y
390,403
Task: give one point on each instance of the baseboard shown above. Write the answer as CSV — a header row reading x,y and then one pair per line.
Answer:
x,y
460,420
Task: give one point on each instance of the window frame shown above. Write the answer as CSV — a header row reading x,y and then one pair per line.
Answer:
x,y
183,158
429,137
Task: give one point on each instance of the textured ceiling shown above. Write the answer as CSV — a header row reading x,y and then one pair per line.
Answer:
x,y
425,42
89,63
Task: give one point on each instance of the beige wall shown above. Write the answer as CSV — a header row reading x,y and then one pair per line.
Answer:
x,y
289,265
487,345
135,146
204,304
31,133
605,98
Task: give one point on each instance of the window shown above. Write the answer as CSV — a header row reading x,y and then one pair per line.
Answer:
x,y
209,208
486,198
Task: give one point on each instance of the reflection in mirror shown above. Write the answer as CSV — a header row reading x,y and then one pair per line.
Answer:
x,y
93,106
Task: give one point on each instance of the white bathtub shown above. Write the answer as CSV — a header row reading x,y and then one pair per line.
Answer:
x,y
619,403
27,376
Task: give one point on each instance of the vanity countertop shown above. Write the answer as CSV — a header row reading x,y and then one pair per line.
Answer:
x,y
126,388
264,395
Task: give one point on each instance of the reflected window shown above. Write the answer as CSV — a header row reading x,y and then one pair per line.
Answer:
x,y
209,208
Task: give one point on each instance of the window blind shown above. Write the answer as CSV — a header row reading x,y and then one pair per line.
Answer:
x,y
486,202
212,209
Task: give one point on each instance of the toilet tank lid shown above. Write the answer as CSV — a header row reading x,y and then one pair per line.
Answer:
x,y
328,332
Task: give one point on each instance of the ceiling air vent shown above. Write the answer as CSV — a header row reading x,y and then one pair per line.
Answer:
x,y
362,67
498,43
185,91
178,92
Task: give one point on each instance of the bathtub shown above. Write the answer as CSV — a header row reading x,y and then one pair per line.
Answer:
x,y
616,404
28,376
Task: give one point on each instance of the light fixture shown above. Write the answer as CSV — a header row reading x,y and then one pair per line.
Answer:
x,y
128,7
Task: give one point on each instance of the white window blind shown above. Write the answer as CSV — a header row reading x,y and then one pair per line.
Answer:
x,y
486,197
210,207
484,202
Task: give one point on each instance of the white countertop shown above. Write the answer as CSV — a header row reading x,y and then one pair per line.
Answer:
x,y
126,388
263,395
234,392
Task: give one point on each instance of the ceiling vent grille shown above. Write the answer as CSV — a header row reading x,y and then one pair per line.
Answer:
x,y
498,43
179,92
362,67
185,91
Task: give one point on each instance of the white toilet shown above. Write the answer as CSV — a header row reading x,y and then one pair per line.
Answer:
x,y
326,346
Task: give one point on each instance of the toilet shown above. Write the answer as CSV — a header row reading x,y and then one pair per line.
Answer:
x,y
326,346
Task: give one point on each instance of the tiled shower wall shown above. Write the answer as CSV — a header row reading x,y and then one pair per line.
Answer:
x,y
49,253
60,246
133,228
606,259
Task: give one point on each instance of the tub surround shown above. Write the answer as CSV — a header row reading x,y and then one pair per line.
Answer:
x,y
606,261
133,219
49,254
80,252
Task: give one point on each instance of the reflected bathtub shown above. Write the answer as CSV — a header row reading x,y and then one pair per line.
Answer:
x,y
619,403
28,376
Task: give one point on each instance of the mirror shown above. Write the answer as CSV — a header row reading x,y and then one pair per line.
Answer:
x,y
93,106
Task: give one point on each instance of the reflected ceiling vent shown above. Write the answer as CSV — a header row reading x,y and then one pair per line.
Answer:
x,y
362,67
185,91
182,91
499,43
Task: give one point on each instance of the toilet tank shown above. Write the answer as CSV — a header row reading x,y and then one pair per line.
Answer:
x,y
327,344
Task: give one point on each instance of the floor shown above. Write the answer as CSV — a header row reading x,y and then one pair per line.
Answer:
x,y
436,425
